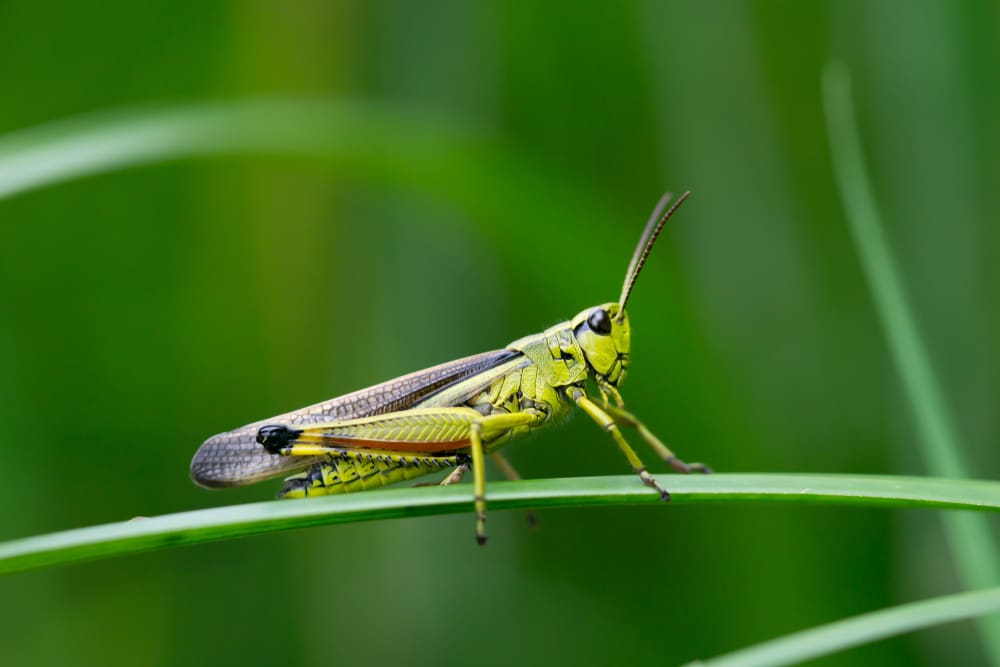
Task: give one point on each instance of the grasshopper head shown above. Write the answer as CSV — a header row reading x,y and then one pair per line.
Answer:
x,y
603,335
603,332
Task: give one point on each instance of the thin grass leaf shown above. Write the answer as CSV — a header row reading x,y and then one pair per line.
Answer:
x,y
972,544
128,537
841,635
106,141
424,154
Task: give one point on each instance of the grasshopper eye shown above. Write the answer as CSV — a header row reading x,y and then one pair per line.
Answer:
x,y
599,322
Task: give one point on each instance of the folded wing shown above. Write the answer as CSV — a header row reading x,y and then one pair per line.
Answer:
x,y
234,458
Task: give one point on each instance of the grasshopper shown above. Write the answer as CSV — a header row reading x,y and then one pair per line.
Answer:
x,y
450,416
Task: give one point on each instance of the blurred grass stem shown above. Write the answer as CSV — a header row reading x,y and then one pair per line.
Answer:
x,y
969,537
105,141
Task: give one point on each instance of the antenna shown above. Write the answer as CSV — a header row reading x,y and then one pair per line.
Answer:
x,y
649,234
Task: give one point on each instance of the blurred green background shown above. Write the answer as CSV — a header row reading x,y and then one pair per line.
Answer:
x,y
522,147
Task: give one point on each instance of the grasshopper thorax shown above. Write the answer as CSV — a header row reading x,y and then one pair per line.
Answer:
x,y
604,336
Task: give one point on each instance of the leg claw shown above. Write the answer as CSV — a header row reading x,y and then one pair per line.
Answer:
x,y
651,482
688,468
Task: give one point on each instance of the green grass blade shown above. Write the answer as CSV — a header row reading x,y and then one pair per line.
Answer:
x,y
972,544
172,530
106,141
429,155
840,635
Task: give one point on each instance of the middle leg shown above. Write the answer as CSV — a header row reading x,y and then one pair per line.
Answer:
x,y
491,427
511,473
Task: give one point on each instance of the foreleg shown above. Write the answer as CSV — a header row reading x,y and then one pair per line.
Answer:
x,y
607,422
628,419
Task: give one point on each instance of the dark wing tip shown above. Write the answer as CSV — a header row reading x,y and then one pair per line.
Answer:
x,y
205,469
218,462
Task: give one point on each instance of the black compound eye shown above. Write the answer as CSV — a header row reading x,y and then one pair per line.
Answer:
x,y
599,322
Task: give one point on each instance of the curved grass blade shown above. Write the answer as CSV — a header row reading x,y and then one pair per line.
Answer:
x,y
106,141
428,155
972,544
866,628
128,537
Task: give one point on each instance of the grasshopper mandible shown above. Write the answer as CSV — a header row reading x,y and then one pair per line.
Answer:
x,y
452,415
